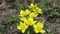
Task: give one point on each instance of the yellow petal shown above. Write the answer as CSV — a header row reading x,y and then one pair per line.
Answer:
x,y
32,14
32,6
18,27
27,11
23,26
23,18
40,25
30,21
36,31
23,31
21,11
20,23
42,31
37,10
24,13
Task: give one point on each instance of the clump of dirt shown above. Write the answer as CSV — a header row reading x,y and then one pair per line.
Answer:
x,y
7,9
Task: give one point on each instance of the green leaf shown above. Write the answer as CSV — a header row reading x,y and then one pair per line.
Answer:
x,y
0,33
11,18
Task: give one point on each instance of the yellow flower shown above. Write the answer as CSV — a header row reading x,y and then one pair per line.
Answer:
x,y
30,21
32,6
22,27
37,10
24,13
32,14
23,18
38,28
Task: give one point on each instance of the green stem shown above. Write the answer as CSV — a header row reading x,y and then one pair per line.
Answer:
x,y
28,32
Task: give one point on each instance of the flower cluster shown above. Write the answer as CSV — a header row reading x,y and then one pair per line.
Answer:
x,y
27,19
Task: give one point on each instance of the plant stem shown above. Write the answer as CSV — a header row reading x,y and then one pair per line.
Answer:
x,y
28,32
